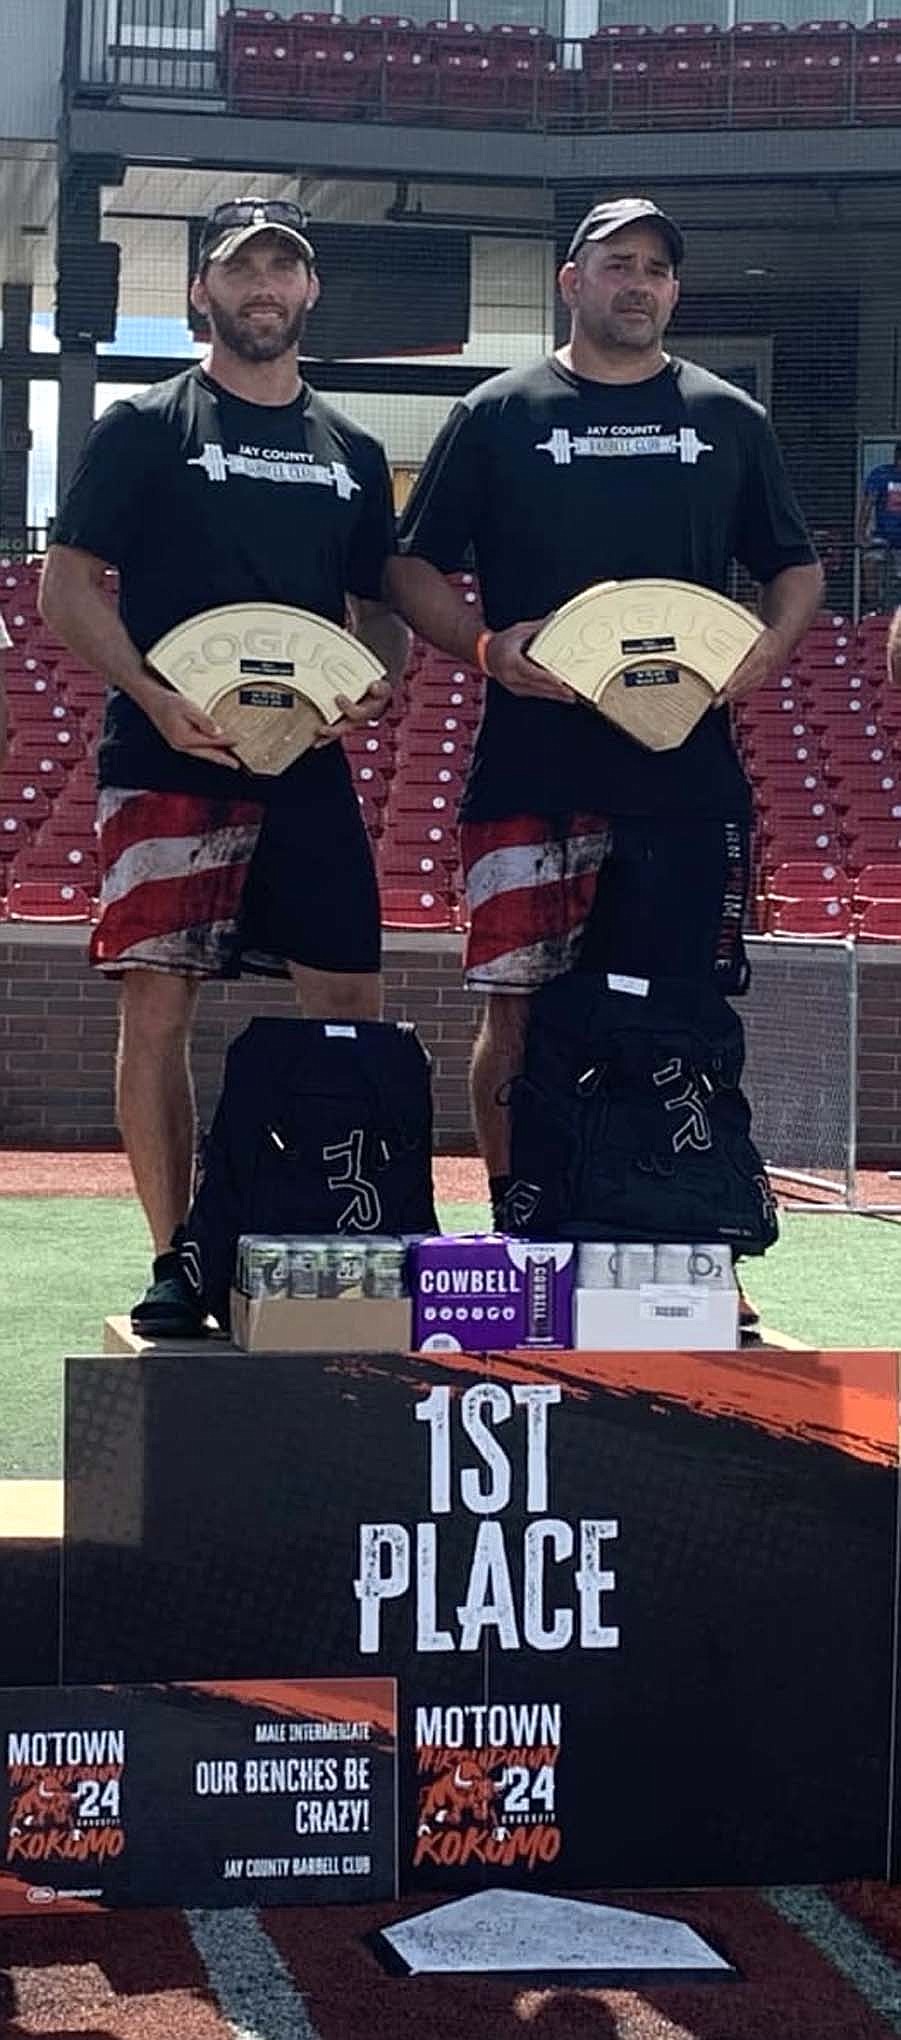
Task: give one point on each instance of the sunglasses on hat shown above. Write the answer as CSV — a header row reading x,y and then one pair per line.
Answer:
x,y
235,213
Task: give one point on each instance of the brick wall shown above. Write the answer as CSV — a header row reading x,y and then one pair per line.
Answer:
x,y
57,1037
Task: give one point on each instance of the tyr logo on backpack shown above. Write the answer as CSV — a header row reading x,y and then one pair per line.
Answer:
x,y
319,1129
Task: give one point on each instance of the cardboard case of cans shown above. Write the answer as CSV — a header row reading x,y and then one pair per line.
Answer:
x,y
301,1294
639,1296
297,1265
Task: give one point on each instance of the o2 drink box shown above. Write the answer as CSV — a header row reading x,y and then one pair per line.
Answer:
x,y
483,1292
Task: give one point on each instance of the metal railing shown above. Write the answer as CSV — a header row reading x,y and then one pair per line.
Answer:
x,y
452,72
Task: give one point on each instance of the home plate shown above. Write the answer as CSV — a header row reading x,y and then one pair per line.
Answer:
x,y
505,1932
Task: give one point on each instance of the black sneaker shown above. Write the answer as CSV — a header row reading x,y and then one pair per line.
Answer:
x,y
169,1308
748,1320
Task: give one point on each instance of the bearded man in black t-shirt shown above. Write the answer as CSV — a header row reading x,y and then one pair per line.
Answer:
x,y
607,461
234,482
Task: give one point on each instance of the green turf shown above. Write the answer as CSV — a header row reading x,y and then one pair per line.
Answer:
x,y
67,1262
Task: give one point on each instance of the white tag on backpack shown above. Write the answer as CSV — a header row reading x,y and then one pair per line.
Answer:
x,y
639,987
349,1033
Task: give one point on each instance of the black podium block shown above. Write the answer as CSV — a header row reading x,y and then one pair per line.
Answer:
x,y
640,1607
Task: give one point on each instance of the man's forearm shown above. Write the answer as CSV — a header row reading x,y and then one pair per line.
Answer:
x,y
386,635
73,605
432,606
789,603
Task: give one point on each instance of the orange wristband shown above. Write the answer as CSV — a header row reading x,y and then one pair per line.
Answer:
x,y
482,642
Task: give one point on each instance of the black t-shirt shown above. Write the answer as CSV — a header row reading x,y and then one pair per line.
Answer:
x,y
201,499
556,483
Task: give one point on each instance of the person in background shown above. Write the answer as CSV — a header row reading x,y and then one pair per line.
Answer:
x,y
879,533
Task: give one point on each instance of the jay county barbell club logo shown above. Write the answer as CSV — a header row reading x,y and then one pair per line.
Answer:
x,y
487,1785
622,442
275,467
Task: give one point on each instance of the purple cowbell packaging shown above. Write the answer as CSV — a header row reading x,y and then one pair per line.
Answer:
x,y
482,1292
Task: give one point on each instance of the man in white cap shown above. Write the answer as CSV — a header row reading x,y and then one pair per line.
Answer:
x,y
232,482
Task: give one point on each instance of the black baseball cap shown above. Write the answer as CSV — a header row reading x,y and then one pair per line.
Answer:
x,y
613,213
229,225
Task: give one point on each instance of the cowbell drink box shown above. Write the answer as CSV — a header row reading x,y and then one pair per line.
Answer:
x,y
484,1293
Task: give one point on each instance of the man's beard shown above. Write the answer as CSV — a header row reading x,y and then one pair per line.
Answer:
x,y
615,330
242,338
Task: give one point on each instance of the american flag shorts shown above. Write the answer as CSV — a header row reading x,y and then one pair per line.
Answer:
x,y
530,887
173,868
640,896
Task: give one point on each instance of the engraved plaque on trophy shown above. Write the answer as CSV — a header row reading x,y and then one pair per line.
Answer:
x,y
651,654
269,675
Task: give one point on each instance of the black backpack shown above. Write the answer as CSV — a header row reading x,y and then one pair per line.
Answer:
x,y
322,1127
628,1122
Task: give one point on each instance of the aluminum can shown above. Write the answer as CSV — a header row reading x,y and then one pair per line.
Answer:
x,y
596,1264
673,1264
344,1273
385,1263
267,1267
634,1265
308,1262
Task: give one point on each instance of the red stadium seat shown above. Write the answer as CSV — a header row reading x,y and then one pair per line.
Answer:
x,y
440,721
470,87
826,919
335,80
409,84
436,775
875,844
410,867
446,693
33,900
34,746
842,755
524,78
818,71
878,75
613,39
630,88
410,799
789,810
410,906
36,769
58,866
388,32
19,622
524,38
427,835
880,921
878,882
81,688
815,878
263,68
709,32
371,783
790,841
15,836
693,84
457,38
756,82
856,791
24,800
372,746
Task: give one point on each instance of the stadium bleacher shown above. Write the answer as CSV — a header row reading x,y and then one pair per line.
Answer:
x,y
821,744
389,67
